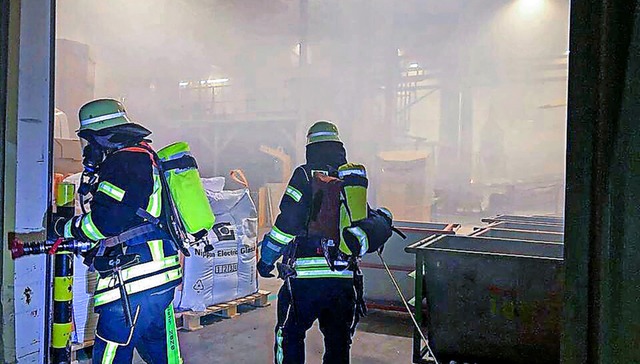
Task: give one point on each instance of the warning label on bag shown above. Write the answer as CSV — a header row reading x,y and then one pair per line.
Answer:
x,y
198,287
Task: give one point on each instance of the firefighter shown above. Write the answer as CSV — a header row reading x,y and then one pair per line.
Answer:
x,y
130,247
315,287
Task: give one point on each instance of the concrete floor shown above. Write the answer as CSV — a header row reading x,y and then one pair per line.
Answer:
x,y
381,338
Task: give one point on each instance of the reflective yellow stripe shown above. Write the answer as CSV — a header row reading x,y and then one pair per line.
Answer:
x,y
311,263
357,171
173,346
155,200
111,190
60,334
90,229
279,351
324,273
67,229
141,270
62,289
139,286
280,236
293,193
109,353
155,246
319,268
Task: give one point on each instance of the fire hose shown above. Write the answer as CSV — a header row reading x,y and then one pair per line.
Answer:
x,y
63,251
404,300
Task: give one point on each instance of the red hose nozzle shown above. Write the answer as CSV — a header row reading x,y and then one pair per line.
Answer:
x,y
15,246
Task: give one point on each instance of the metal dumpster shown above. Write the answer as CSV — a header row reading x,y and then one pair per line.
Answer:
x,y
527,226
489,300
532,219
379,291
493,232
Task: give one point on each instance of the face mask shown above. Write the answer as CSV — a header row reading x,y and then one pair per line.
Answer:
x,y
92,156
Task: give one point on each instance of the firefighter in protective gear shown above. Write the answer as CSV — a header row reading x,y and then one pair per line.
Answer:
x,y
315,291
127,201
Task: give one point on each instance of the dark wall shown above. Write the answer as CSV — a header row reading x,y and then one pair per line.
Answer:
x,y
602,250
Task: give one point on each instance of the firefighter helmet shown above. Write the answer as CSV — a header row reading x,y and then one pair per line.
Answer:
x,y
323,131
101,114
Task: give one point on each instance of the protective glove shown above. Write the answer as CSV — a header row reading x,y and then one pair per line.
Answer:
x,y
90,255
270,251
265,269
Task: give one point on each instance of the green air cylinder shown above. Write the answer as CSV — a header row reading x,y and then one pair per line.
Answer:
x,y
355,189
187,192
354,208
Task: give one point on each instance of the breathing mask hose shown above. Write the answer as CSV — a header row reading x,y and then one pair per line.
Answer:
x,y
92,156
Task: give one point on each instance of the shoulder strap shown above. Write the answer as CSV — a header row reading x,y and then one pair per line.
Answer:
x,y
142,148
306,173
172,225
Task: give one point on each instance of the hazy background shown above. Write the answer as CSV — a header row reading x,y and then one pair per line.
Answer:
x,y
457,107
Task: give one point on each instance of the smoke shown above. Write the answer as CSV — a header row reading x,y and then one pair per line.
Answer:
x,y
472,92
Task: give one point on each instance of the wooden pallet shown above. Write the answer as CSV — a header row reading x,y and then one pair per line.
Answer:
x,y
190,321
75,347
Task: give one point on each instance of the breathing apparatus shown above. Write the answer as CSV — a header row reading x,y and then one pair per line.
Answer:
x,y
92,156
187,213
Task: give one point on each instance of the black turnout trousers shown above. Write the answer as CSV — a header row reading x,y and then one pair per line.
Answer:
x,y
331,301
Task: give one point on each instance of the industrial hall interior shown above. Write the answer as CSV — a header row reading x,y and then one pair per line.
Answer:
x,y
320,181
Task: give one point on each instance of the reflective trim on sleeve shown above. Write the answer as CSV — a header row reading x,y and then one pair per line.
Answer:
x,y
280,236
155,200
111,190
67,230
362,238
138,286
293,193
89,228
